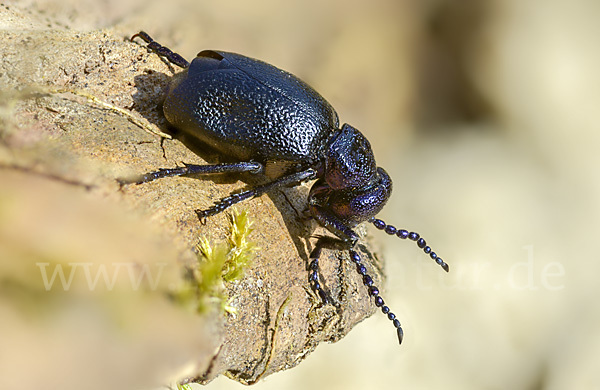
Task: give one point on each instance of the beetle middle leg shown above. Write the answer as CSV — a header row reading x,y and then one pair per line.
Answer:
x,y
285,181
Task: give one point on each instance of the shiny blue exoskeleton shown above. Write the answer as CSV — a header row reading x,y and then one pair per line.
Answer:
x,y
273,123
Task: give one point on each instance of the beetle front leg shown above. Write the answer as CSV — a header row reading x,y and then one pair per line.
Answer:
x,y
334,225
313,274
314,277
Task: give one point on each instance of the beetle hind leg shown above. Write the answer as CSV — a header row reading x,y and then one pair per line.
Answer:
x,y
190,169
171,56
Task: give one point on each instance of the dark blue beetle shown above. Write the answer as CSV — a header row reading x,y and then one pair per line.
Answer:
x,y
275,124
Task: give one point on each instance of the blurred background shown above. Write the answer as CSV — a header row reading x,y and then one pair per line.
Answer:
x,y
486,114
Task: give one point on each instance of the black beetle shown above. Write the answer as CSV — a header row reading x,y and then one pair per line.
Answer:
x,y
275,124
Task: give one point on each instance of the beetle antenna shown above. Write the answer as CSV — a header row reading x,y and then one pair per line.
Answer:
x,y
374,291
404,234
314,277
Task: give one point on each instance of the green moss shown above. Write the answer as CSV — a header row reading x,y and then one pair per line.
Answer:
x,y
241,250
218,264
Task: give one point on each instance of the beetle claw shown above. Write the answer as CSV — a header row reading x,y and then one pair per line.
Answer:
x,y
201,216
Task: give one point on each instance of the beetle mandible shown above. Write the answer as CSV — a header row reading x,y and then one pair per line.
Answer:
x,y
264,117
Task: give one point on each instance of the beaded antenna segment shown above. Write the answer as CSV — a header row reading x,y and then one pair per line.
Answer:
x,y
404,234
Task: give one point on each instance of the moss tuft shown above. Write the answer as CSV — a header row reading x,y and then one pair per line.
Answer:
x,y
218,264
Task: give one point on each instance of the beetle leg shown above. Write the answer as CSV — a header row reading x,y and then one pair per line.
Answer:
x,y
189,169
313,274
172,57
285,181
334,225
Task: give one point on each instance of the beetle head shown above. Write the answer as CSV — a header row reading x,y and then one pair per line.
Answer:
x,y
351,189
349,206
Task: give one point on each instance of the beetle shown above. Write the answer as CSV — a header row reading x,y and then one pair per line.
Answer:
x,y
272,123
